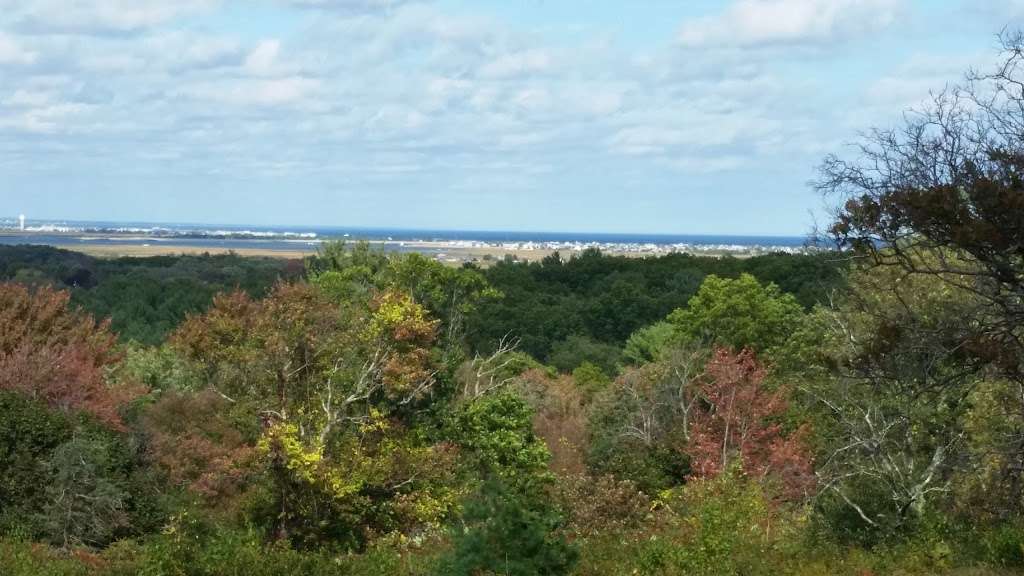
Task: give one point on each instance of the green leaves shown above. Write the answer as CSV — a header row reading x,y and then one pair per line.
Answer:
x,y
740,313
498,431
358,272
649,343
28,435
86,500
506,532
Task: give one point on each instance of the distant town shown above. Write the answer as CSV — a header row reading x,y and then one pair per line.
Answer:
x,y
123,239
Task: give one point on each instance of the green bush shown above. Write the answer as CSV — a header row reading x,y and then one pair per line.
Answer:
x,y
508,533
19,558
721,527
575,351
192,546
29,433
590,380
1004,546
740,313
651,468
497,432
728,525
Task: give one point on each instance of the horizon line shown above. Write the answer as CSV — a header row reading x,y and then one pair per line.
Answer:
x,y
343,227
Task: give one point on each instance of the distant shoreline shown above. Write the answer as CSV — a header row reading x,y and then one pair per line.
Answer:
x,y
300,233
113,240
452,255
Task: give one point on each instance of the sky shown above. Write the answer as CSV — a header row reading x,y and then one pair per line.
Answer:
x,y
669,116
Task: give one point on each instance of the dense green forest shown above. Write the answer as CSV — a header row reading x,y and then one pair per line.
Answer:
x,y
589,305
144,298
852,412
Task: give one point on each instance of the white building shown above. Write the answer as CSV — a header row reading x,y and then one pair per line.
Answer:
x,y
21,222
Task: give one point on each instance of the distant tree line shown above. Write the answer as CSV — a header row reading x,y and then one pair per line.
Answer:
x,y
587,306
145,298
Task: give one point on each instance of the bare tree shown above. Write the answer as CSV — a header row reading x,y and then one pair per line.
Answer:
x,y
897,394
485,374
942,196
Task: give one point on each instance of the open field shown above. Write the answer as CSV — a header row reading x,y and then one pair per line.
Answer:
x,y
440,250
447,252
436,249
144,250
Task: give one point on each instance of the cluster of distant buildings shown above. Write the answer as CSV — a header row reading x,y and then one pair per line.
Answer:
x,y
17,224
645,248
446,250
21,224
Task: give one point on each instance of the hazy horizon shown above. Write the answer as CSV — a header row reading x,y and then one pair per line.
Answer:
x,y
343,228
39,220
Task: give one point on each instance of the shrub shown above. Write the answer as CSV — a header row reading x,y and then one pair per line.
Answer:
x,y
86,496
576,350
195,445
28,434
602,505
590,380
740,313
559,418
508,533
497,432
25,559
720,527
736,424
1004,545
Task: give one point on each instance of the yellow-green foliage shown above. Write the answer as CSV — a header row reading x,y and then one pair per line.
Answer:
x,y
738,313
25,559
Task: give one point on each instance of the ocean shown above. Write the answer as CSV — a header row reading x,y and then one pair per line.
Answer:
x,y
291,238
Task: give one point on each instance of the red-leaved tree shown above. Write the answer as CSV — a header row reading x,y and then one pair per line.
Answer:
x,y
57,355
738,425
193,441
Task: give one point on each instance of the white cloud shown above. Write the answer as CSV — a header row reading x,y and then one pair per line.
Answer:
x,y
88,16
263,60
287,91
179,50
525,63
350,6
705,164
417,89
999,11
526,139
532,98
22,98
911,85
645,140
12,52
763,22
47,118
599,102
462,90
112,63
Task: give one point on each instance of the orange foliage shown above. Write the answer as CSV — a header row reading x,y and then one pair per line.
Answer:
x,y
57,355
212,335
192,441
